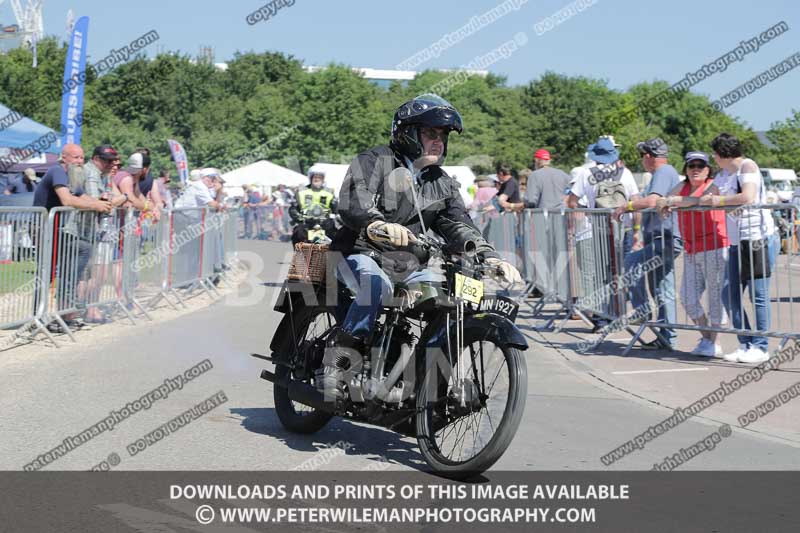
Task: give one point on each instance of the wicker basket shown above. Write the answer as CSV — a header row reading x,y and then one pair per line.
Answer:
x,y
308,263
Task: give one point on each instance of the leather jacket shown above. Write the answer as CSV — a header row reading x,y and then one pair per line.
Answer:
x,y
367,195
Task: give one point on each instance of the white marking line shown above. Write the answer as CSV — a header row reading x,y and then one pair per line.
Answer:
x,y
661,371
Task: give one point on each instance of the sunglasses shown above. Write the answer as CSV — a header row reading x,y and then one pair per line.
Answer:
x,y
697,166
433,134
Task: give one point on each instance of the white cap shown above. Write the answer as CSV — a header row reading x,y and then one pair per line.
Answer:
x,y
135,162
194,175
209,172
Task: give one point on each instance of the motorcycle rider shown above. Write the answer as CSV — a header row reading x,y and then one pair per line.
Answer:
x,y
380,221
313,195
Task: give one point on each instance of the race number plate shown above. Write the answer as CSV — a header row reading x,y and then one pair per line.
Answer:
x,y
500,305
469,289
316,235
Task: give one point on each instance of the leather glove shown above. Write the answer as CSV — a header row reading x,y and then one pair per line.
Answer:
x,y
394,234
508,272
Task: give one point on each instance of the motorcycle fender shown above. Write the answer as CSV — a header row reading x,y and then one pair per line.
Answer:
x,y
296,293
495,326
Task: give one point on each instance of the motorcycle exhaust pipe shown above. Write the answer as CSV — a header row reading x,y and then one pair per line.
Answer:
x,y
307,395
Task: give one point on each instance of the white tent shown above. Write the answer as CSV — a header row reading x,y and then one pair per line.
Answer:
x,y
465,178
334,176
264,175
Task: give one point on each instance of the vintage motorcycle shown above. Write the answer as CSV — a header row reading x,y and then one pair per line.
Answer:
x,y
314,227
444,363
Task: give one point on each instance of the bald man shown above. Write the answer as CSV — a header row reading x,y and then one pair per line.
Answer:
x,y
56,190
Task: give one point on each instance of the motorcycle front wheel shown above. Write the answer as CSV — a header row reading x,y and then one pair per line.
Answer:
x,y
466,420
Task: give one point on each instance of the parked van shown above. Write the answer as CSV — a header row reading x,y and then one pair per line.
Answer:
x,y
783,181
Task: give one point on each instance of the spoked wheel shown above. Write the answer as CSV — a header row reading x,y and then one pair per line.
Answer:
x,y
310,324
466,421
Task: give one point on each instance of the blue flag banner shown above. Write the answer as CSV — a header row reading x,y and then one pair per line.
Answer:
x,y
179,156
74,78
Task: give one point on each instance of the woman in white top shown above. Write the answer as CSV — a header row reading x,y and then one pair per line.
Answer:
x,y
741,184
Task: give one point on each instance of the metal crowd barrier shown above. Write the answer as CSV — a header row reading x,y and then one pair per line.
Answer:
x,y
24,242
545,246
183,255
738,297
577,259
211,257
230,232
140,236
67,261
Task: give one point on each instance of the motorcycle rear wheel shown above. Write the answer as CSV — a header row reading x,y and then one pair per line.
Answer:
x,y
296,417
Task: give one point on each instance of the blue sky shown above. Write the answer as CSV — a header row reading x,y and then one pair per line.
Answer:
x,y
621,41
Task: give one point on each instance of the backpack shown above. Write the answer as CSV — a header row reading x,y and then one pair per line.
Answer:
x,y
610,190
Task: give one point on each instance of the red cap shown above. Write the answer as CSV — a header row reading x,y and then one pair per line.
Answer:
x,y
542,154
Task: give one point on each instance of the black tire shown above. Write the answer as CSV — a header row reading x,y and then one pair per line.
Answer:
x,y
296,417
514,362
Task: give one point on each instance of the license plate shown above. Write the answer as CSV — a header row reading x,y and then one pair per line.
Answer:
x,y
316,234
500,305
469,289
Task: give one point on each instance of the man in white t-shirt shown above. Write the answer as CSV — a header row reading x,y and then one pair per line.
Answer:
x,y
587,182
201,191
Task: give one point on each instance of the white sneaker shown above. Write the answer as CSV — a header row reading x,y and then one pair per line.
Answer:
x,y
733,357
754,356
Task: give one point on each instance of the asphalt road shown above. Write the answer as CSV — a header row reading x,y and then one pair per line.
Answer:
x,y
571,418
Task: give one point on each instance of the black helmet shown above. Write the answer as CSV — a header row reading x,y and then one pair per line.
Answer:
x,y
426,110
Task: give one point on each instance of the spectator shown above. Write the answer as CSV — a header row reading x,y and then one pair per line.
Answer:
x,y
163,184
705,239
247,212
25,183
151,193
263,208
751,233
508,193
659,241
591,181
546,186
98,171
100,185
487,190
63,185
129,181
215,241
522,178
282,199
200,192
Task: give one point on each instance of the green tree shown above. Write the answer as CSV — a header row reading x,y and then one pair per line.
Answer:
x,y
785,135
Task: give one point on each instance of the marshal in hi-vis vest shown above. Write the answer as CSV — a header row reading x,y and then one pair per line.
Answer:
x,y
309,197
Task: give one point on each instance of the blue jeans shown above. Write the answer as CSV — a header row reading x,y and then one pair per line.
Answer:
x,y
661,280
372,288
627,243
758,292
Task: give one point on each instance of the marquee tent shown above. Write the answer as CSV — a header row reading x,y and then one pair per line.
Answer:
x,y
18,131
263,174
